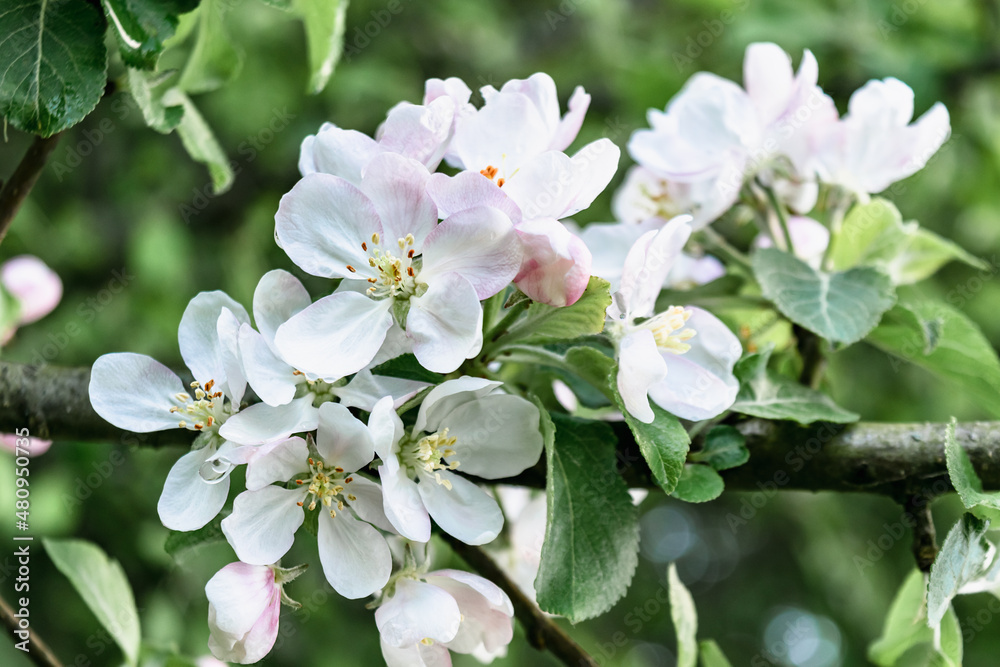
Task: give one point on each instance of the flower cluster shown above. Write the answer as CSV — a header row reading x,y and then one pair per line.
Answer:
x,y
372,414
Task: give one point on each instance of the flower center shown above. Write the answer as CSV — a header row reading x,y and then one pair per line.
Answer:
x,y
668,329
428,454
397,269
326,487
206,412
490,172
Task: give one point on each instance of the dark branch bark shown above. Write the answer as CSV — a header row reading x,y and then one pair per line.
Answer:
x,y
38,651
543,633
16,190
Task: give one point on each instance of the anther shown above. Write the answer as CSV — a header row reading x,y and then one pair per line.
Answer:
x,y
351,269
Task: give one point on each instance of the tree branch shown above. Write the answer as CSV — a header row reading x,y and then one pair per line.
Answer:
x,y
16,190
543,632
38,650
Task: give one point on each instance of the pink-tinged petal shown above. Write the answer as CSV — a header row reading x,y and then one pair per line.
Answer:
x,y
767,77
368,503
386,428
35,286
279,296
690,271
420,132
272,379
396,186
356,559
478,244
33,446
541,90
494,596
556,265
503,134
342,439
135,392
447,397
464,511
228,329
810,238
570,124
446,324
240,593
336,336
321,224
469,189
260,640
452,88
262,527
338,152
198,334
496,436
262,423
188,502
640,366
365,390
649,262
486,611
276,462
402,504
416,655
417,611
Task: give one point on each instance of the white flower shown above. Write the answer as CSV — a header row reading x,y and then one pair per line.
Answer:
x,y
137,393
443,610
261,529
809,237
461,425
244,603
681,358
385,241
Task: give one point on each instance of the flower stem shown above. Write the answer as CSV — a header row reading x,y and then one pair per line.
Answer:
x,y
782,220
718,245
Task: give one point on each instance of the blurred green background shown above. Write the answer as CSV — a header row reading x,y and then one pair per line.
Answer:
x,y
783,589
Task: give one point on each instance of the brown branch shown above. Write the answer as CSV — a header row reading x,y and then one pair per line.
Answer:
x,y
16,190
542,631
38,650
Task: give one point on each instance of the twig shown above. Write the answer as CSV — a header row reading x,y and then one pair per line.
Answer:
x,y
38,650
542,631
813,361
924,544
16,190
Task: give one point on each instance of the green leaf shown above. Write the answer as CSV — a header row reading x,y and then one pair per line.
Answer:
x,y
664,443
962,354
841,307
685,619
54,62
963,475
923,253
905,625
215,60
148,91
948,647
102,584
407,367
200,142
591,542
711,655
698,484
767,394
324,23
725,448
965,557
594,366
142,26
547,324
210,533
709,294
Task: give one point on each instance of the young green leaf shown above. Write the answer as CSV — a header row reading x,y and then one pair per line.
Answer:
x,y
685,618
698,484
923,253
962,354
767,394
200,142
841,307
142,26
147,91
870,235
664,443
711,655
54,61
591,542
407,367
324,24
905,625
725,448
546,324
215,60
965,556
963,475
102,584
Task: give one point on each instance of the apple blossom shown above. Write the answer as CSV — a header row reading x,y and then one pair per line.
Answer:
x,y
463,424
36,290
401,268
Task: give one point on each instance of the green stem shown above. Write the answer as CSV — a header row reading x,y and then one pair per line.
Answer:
x,y
782,220
491,337
718,245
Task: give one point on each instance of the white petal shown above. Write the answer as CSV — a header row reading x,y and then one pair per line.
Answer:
x,y
482,622
570,124
278,296
342,153
272,379
649,262
262,527
135,392
417,611
693,392
397,188
446,324
240,593
321,224
479,244
262,423
368,503
640,366
365,390
386,428
342,439
276,462
594,166
420,132
355,557
465,511
228,330
198,334
469,189
402,503
447,396
416,655
336,336
188,502
497,436
504,134
767,77
609,244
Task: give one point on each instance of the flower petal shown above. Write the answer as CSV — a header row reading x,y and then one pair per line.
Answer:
x,y
262,423
486,611
648,264
368,503
240,593
570,124
448,396
556,266
36,287
469,189
420,132
386,428
640,366
262,527
446,324
228,329
402,504
417,611
135,392
342,439
396,186
276,462
188,502
338,152
365,390
355,557
198,334
504,134
272,379
464,511
496,436
278,296
416,655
